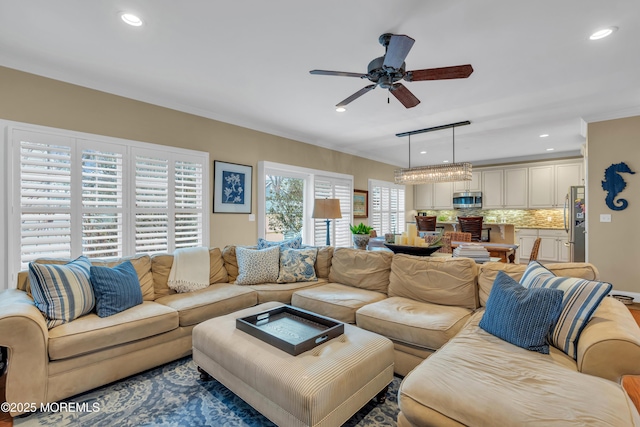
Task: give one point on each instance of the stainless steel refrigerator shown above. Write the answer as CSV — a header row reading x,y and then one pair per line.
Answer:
x,y
575,222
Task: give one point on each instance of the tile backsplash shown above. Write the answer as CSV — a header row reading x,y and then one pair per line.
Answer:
x,y
528,218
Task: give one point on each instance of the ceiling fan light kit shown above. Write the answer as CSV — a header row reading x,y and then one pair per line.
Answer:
x,y
386,71
450,172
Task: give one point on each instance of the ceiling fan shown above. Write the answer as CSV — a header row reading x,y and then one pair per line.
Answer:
x,y
385,71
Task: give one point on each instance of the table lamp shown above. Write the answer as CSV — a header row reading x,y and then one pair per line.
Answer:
x,y
327,209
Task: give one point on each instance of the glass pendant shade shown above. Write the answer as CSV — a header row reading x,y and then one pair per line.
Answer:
x,y
437,173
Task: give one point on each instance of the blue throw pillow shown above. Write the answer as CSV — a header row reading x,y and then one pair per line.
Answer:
x,y
62,292
295,243
581,298
521,316
116,289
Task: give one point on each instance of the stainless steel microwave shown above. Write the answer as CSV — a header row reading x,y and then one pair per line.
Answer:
x,y
467,199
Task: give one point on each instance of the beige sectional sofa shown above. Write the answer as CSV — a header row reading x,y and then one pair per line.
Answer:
x,y
429,308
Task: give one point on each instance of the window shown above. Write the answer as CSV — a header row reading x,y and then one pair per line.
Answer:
x,y
314,184
76,194
387,214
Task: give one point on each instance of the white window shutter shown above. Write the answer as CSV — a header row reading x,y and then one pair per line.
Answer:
x,y
102,203
387,207
188,204
151,204
45,200
334,188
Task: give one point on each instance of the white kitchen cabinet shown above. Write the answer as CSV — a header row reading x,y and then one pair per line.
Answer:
x,y
525,239
492,189
474,185
433,196
548,184
552,245
515,188
504,188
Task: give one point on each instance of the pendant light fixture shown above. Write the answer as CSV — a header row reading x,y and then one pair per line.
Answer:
x,y
448,172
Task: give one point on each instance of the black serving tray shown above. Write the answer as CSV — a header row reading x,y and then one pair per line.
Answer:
x,y
291,329
413,250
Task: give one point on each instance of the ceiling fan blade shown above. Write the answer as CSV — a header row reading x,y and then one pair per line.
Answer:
x,y
337,73
397,51
404,95
444,73
356,95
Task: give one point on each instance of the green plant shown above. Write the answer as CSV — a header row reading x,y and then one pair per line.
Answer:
x,y
361,229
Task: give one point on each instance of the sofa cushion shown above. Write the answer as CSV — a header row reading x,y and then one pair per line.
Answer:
x,y
335,300
477,379
282,292
361,269
231,261
487,273
297,265
295,243
257,265
215,300
161,267
446,281
580,300
62,292
521,316
92,333
425,325
323,261
116,288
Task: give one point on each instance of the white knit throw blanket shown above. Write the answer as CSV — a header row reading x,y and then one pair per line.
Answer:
x,y
190,269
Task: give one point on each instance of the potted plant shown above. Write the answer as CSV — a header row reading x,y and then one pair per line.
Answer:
x,y
361,235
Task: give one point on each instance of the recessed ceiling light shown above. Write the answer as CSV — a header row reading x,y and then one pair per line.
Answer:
x,y
445,161
550,149
423,152
600,34
341,109
131,19
544,135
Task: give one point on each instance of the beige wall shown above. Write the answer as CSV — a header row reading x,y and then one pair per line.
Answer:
x,y
614,247
32,99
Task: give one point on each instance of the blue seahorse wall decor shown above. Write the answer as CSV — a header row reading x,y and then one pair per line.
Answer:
x,y
613,184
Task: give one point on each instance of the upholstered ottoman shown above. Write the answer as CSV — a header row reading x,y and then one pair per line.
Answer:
x,y
324,386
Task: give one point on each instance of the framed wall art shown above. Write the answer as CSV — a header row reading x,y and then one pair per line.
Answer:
x,y
231,187
360,204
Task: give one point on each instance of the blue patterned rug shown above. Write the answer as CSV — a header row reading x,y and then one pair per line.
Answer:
x,y
173,395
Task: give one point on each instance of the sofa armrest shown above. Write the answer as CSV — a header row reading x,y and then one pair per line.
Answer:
x,y
609,346
24,332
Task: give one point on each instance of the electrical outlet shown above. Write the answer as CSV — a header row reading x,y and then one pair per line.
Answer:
x,y
549,219
605,217
252,217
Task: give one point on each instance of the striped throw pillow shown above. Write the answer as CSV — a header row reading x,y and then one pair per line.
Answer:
x,y
519,315
579,302
116,289
62,292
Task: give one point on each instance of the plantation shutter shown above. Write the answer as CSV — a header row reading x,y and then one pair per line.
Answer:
x,y
45,196
102,203
387,207
334,188
188,204
151,202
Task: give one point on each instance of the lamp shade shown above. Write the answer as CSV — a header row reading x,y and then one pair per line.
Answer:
x,y
326,208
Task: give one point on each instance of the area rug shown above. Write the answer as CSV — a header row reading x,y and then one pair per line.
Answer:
x,y
174,395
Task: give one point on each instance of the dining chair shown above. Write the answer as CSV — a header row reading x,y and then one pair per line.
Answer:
x,y
535,249
473,225
426,223
453,236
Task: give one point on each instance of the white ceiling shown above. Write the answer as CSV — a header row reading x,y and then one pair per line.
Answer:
x,y
247,63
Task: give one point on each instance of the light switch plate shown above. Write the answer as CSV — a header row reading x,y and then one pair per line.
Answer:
x,y
605,217
252,217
